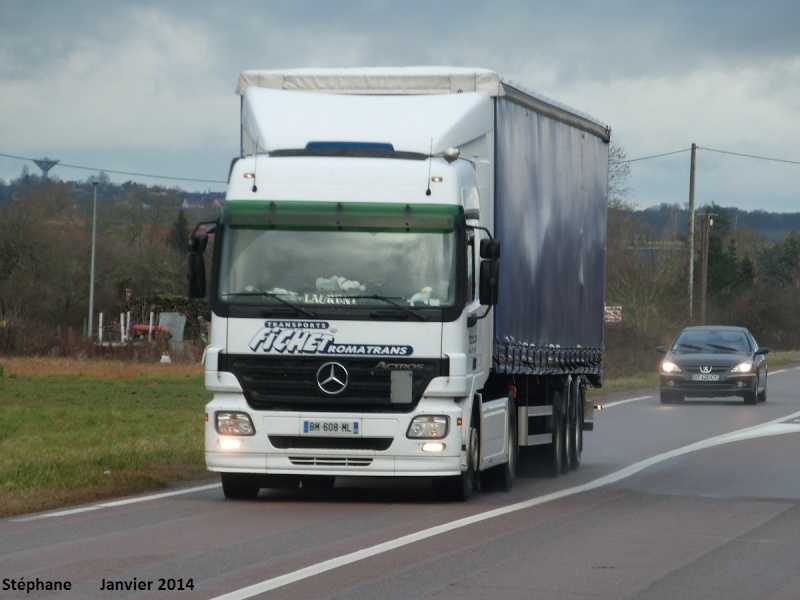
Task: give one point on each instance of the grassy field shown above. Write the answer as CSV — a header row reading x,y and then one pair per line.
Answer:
x,y
75,431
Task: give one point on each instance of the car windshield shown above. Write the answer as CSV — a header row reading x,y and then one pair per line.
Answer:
x,y
711,342
330,258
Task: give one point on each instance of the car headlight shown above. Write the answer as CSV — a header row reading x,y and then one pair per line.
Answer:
x,y
744,367
667,366
234,423
430,427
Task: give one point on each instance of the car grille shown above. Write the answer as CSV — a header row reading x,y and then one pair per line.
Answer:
x,y
692,369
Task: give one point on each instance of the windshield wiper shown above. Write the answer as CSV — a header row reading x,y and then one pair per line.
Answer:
x,y
392,300
724,348
280,298
691,347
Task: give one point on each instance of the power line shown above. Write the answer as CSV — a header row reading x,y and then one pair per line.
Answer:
x,y
630,160
617,162
149,175
780,160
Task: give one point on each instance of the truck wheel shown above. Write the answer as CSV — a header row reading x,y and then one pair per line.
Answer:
x,y
555,451
502,476
575,447
459,488
238,486
568,423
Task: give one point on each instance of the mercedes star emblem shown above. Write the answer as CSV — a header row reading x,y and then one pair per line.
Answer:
x,y
332,378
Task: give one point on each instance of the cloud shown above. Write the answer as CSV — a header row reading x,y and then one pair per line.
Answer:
x,y
136,91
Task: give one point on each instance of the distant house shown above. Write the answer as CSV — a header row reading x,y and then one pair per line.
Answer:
x,y
187,205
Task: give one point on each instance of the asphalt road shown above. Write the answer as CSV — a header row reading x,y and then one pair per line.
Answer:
x,y
700,500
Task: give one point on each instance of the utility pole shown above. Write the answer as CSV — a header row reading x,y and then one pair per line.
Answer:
x,y
705,243
690,232
704,231
95,183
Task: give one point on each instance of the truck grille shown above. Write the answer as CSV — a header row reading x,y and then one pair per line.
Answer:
x,y
290,383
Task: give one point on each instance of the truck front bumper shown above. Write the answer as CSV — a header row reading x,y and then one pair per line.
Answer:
x,y
370,445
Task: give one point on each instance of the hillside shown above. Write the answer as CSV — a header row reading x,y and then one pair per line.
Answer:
x,y
671,220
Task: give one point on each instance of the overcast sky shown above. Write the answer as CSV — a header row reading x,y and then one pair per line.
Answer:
x,y
148,86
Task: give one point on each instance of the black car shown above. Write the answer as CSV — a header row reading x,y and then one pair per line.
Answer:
x,y
712,361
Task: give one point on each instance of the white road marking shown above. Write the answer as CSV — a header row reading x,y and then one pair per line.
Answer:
x,y
776,427
617,403
113,503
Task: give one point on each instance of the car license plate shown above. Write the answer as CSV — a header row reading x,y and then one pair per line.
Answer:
x,y
705,377
332,427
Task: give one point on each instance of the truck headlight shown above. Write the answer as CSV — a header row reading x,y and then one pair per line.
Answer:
x,y
234,423
428,427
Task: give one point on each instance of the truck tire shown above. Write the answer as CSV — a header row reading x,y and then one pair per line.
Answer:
x,y
568,423
502,476
575,447
459,488
239,486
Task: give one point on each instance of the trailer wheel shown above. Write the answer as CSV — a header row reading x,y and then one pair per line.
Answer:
x,y
555,451
568,423
238,486
577,398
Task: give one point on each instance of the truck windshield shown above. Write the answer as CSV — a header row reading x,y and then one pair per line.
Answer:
x,y
339,254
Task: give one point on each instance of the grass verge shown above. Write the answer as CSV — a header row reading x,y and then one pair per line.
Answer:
x,y
75,431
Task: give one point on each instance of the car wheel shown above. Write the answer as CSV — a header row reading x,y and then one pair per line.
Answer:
x,y
751,396
762,395
671,397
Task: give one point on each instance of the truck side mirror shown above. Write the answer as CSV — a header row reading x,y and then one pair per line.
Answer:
x,y
196,273
489,272
490,248
489,286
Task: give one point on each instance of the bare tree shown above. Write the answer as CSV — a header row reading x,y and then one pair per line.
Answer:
x,y
619,173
